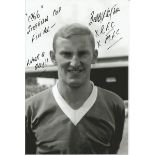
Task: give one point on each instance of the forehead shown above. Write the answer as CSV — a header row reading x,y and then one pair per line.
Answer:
x,y
75,42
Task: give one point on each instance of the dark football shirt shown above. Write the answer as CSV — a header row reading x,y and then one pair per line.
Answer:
x,y
50,131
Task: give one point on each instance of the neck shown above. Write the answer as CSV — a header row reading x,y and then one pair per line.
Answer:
x,y
75,96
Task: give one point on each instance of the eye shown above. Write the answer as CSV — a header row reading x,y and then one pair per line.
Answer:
x,y
83,53
66,54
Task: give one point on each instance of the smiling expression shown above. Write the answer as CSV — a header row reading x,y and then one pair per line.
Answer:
x,y
74,56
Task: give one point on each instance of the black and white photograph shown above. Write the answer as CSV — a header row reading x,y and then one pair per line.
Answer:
x,y
76,76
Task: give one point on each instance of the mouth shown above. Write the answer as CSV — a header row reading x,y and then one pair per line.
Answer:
x,y
75,70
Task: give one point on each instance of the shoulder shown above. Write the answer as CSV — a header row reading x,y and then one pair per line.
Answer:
x,y
39,101
110,98
38,97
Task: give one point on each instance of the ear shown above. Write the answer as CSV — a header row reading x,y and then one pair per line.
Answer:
x,y
95,55
52,56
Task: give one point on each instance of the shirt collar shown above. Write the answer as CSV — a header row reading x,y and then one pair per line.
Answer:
x,y
75,115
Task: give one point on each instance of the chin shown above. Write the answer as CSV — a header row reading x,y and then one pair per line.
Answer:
x,y
75,83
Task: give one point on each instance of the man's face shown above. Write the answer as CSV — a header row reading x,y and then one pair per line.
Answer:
x,y
74,57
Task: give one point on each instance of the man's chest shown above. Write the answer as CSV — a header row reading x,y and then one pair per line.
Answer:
x,y
60,135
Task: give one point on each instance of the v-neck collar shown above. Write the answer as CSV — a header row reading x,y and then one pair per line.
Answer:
x,y
74,115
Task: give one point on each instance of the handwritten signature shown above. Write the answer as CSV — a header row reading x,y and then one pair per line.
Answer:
x,y
108,13
39,22
46,29
56,11
35,60
108,33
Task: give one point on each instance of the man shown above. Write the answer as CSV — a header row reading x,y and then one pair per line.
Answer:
x,y
75,116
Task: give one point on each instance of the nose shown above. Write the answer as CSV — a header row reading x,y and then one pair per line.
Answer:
x,y
75,62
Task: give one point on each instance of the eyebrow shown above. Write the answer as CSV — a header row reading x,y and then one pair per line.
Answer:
x,y
78,52
65,51
83,51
